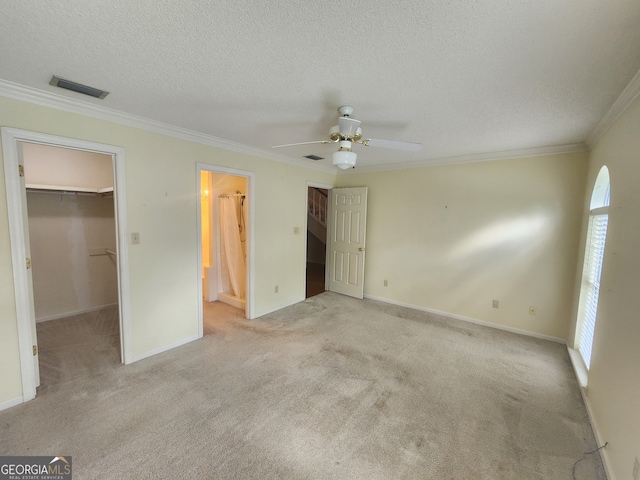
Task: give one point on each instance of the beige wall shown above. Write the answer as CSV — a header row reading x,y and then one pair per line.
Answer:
x,y
453,238
65,234
161,206
66,231
614,377
450,238
47,165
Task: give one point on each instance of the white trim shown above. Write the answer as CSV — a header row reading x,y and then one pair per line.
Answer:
x,y
600,440
251,250
76,312
599,211
72,105
59,102
471,320
626,98
579,368
326,186
10,139
581,373
280,307
11,403
51,100
18,255
166,348
61,188
477,157
199,251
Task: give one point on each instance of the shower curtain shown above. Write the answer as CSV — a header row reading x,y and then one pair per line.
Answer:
x,y
232,257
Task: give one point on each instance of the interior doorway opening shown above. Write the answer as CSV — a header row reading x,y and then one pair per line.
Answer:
x,y
13,142
317,217
73,249
225,237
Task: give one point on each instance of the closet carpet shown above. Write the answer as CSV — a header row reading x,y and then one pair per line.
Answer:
x,y
331,388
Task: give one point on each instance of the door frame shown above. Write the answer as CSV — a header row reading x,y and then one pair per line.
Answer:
x,y
15,208
250,265
306,225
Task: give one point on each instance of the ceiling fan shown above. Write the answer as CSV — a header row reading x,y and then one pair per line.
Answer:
x,y
348,132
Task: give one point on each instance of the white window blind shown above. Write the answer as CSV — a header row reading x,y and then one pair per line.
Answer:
x,y
591,283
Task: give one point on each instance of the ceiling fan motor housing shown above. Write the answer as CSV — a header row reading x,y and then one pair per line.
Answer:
x,y
349,129
334,133
345,110
345,146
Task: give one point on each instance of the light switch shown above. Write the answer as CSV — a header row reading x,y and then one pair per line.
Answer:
x,y
135,238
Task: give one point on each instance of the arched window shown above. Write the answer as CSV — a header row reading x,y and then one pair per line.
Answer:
x,y
594,255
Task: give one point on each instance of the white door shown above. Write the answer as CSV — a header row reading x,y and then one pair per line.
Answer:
x,y
347,241
27,248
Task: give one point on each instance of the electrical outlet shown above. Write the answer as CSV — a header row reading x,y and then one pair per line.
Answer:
x,y
135,238
386,283
533,310
636,470
296,230
495,304
276,289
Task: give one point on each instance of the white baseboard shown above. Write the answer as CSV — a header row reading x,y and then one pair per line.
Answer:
x,y
165,348
600,440
471,320
581,372
279,307
11,403
77,312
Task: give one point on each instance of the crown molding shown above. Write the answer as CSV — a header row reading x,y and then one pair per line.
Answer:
x,y
479,157
626,98
72,105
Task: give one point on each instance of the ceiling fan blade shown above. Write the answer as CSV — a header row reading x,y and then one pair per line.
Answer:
x,y
408,146
301,143
348,126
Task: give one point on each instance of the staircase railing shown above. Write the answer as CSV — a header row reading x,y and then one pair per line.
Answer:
x,y
318,205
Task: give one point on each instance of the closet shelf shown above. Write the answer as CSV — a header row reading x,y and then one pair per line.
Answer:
x,y
68,190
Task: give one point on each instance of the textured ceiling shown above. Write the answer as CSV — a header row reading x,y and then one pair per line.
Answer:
x,y
462,77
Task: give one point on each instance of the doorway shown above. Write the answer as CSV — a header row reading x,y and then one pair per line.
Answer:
x,y
225,226
13,141
317,235
72,242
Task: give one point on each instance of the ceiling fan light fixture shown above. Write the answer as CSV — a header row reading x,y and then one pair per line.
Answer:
x,y
334,133
344,159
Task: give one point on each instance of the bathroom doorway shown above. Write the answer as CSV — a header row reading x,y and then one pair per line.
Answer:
x,y
225,236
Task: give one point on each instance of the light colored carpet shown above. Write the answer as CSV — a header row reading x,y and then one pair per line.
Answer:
x,y
330,388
